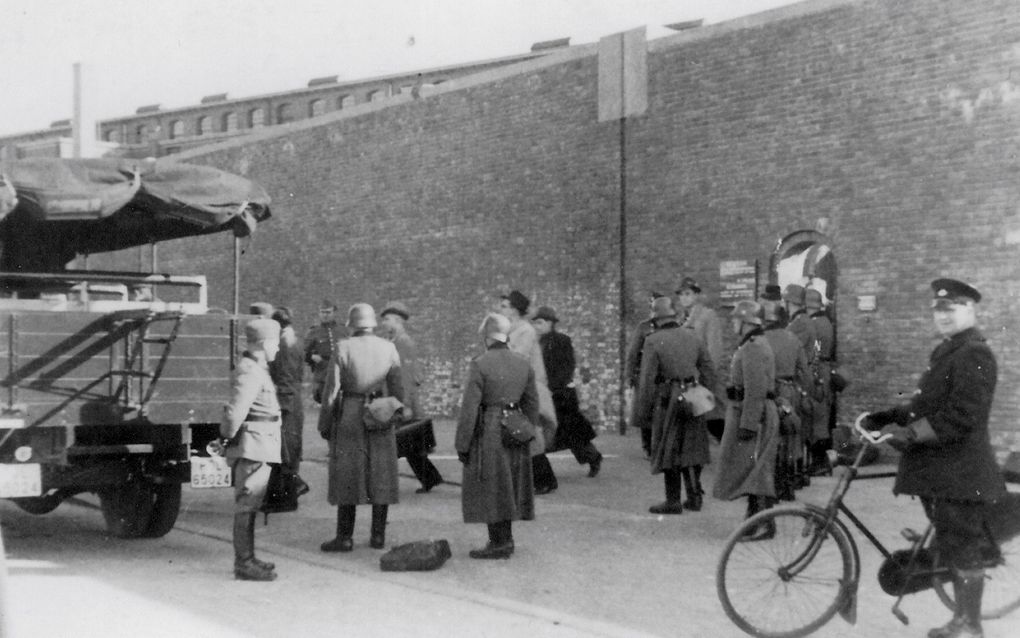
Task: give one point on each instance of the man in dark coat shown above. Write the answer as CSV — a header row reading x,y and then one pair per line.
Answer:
x,y
633,362
287,372
674,358
415,444
319,343
821,390
799,323
947,455
497,484
574,431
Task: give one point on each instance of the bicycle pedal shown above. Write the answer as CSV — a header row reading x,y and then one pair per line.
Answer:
x,y
910,534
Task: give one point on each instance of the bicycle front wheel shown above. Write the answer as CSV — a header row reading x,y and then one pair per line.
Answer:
x,y
792,581
1002,583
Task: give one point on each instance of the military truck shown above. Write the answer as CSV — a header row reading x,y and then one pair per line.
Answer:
x,y
112,382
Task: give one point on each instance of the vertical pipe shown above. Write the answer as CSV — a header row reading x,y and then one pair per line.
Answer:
x,y
76,115
237,274
623,278
154,259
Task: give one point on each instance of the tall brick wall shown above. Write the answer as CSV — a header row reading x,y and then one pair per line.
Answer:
x,y
890,127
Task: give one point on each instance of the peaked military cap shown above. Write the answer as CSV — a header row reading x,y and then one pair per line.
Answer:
x,y
688,283
327,304
396,308
950,292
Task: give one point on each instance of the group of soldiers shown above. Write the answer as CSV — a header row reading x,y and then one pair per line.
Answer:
x,y
784,364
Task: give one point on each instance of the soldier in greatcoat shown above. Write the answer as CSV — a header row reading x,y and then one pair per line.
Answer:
x,y
705,324
524,340
497,483
673,359
799,323
947,456
250,430
747,458
417,445
287,372
792,376
825,360
633,363
362,463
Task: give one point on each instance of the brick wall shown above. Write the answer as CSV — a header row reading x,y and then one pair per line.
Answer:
x,y
890,127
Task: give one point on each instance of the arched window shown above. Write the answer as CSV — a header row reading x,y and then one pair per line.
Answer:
x,y
112,135
345,101
176,129
141,133
204,125
284,113
316,108
229,121
376,95
256,118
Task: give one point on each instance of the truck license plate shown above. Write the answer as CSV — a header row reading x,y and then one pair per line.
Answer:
x,y
24,479
207,471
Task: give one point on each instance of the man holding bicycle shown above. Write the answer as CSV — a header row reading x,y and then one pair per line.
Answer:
x,y
947,455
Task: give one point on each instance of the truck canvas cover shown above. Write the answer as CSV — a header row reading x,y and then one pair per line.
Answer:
x,y
54,209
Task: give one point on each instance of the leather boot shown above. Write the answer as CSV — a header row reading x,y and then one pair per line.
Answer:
x,y
500,545
300,486
345,516
765,530
692,478
542,474
377,540
673,479
245,565
968,587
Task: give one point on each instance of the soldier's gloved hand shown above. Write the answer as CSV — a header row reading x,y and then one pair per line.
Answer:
x,y
463,457
902,436
743,434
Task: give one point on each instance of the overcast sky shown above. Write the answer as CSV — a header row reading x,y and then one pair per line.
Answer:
x,y
174,52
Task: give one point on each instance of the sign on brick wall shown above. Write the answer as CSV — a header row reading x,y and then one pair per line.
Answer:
x,y
738,280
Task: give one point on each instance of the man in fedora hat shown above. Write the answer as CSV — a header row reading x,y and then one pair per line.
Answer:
x,y
947,459
573,431
705,324
319,343
415,443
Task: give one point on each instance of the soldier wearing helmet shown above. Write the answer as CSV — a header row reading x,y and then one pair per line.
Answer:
x,y
319,343
751,438
362,462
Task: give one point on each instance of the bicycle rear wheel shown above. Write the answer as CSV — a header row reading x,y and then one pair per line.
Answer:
x,y
790,584
1002,583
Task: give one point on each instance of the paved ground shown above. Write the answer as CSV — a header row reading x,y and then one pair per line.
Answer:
x,y
594,563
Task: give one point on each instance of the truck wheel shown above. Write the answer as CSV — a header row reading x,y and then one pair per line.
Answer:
x,y
40,504
165,506
127,508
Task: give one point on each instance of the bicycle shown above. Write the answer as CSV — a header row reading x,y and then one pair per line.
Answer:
x,y
808,568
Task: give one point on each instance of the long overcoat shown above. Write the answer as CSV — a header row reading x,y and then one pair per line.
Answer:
x,y
573,429
497,484
362,464
748,467
524,340
672,354
705,323
792,376
287,371
954,396
825,344
410,374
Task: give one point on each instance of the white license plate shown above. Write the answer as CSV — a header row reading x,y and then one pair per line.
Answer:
x,y
207,471
24,479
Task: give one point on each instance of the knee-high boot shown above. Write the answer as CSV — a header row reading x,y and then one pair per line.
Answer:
x,y
542,474
673,478
377,540
968,588
692,478
246,567
345,517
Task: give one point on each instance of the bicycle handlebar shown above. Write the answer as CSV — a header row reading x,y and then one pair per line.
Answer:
x,y
874,438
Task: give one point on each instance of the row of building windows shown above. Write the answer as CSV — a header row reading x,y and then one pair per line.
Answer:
x,y
253,119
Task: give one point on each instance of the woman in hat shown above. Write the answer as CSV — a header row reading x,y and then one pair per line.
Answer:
x,y
362,462
747,458
497,484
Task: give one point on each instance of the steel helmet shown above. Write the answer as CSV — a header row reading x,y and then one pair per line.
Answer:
x,y
361,315
748,312
495,326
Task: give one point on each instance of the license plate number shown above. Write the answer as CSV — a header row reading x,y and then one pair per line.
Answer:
x,y
210,472
20,480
